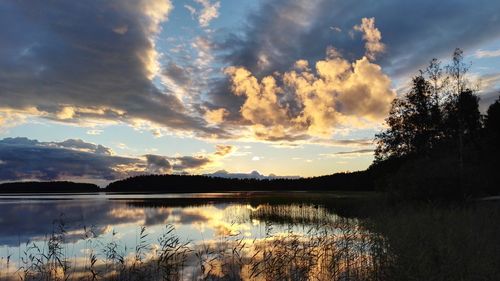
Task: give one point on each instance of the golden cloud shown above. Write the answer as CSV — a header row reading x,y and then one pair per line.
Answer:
x,y
314,102
216,116
223,150
372,36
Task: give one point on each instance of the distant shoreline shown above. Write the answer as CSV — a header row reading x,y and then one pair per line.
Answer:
x,y
150,184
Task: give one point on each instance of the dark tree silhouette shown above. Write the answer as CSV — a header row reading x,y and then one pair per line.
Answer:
x,y
457,71
410,121
436,109
492,120
463,120
434,146
438,82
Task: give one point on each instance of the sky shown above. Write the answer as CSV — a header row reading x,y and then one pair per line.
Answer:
x,y
102,90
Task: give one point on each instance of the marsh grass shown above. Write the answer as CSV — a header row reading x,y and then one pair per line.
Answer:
x,y
435,242
411,243
322,252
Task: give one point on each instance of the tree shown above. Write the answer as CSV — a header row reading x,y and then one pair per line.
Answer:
x,y
396,140
410,123
438,82
492,120
457,71
433,146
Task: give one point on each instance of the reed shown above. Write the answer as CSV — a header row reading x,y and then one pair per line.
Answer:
x,y
322,252
399,244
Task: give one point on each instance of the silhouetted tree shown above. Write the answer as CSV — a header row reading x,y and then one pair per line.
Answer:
x,y
410,122
434,147
396,140
492,120
463,117
420,114
460,95
438,82
436,108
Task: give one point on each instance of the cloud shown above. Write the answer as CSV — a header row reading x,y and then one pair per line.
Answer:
x,y
263,49
372,36
158,164
209,12
11,118
251,175
75,62
223,150
216,116
348,142
95,63
270,29
487,53
190,9
190,162
79,144
349,153
94,132
183,164
305,102
23,159
490,90
204,47
360,151
177,74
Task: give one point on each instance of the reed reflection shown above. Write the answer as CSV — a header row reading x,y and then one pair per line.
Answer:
x,y
152,240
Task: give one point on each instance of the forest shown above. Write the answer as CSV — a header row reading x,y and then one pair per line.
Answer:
x,y
437,144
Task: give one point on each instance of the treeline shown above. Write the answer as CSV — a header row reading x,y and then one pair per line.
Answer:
x,y
48,187
356,181
437,144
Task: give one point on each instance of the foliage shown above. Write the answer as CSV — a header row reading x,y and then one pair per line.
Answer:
x,y
435,146
492,120
355,181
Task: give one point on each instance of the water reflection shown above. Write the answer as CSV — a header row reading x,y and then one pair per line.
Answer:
x,y
184,237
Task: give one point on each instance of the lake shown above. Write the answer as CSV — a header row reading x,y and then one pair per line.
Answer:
x,y
209,236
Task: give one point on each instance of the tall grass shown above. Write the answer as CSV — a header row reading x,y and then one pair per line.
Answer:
x,y
323,252
433,242
411,243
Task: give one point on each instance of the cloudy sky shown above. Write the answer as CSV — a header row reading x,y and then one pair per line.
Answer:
x,y
101,90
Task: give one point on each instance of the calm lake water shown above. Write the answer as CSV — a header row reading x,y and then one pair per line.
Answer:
x,y
206,236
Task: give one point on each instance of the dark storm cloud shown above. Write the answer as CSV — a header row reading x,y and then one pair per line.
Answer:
x,y
72,60
164,164
157,163
21,158
177,74
190,162
281,32
80,144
